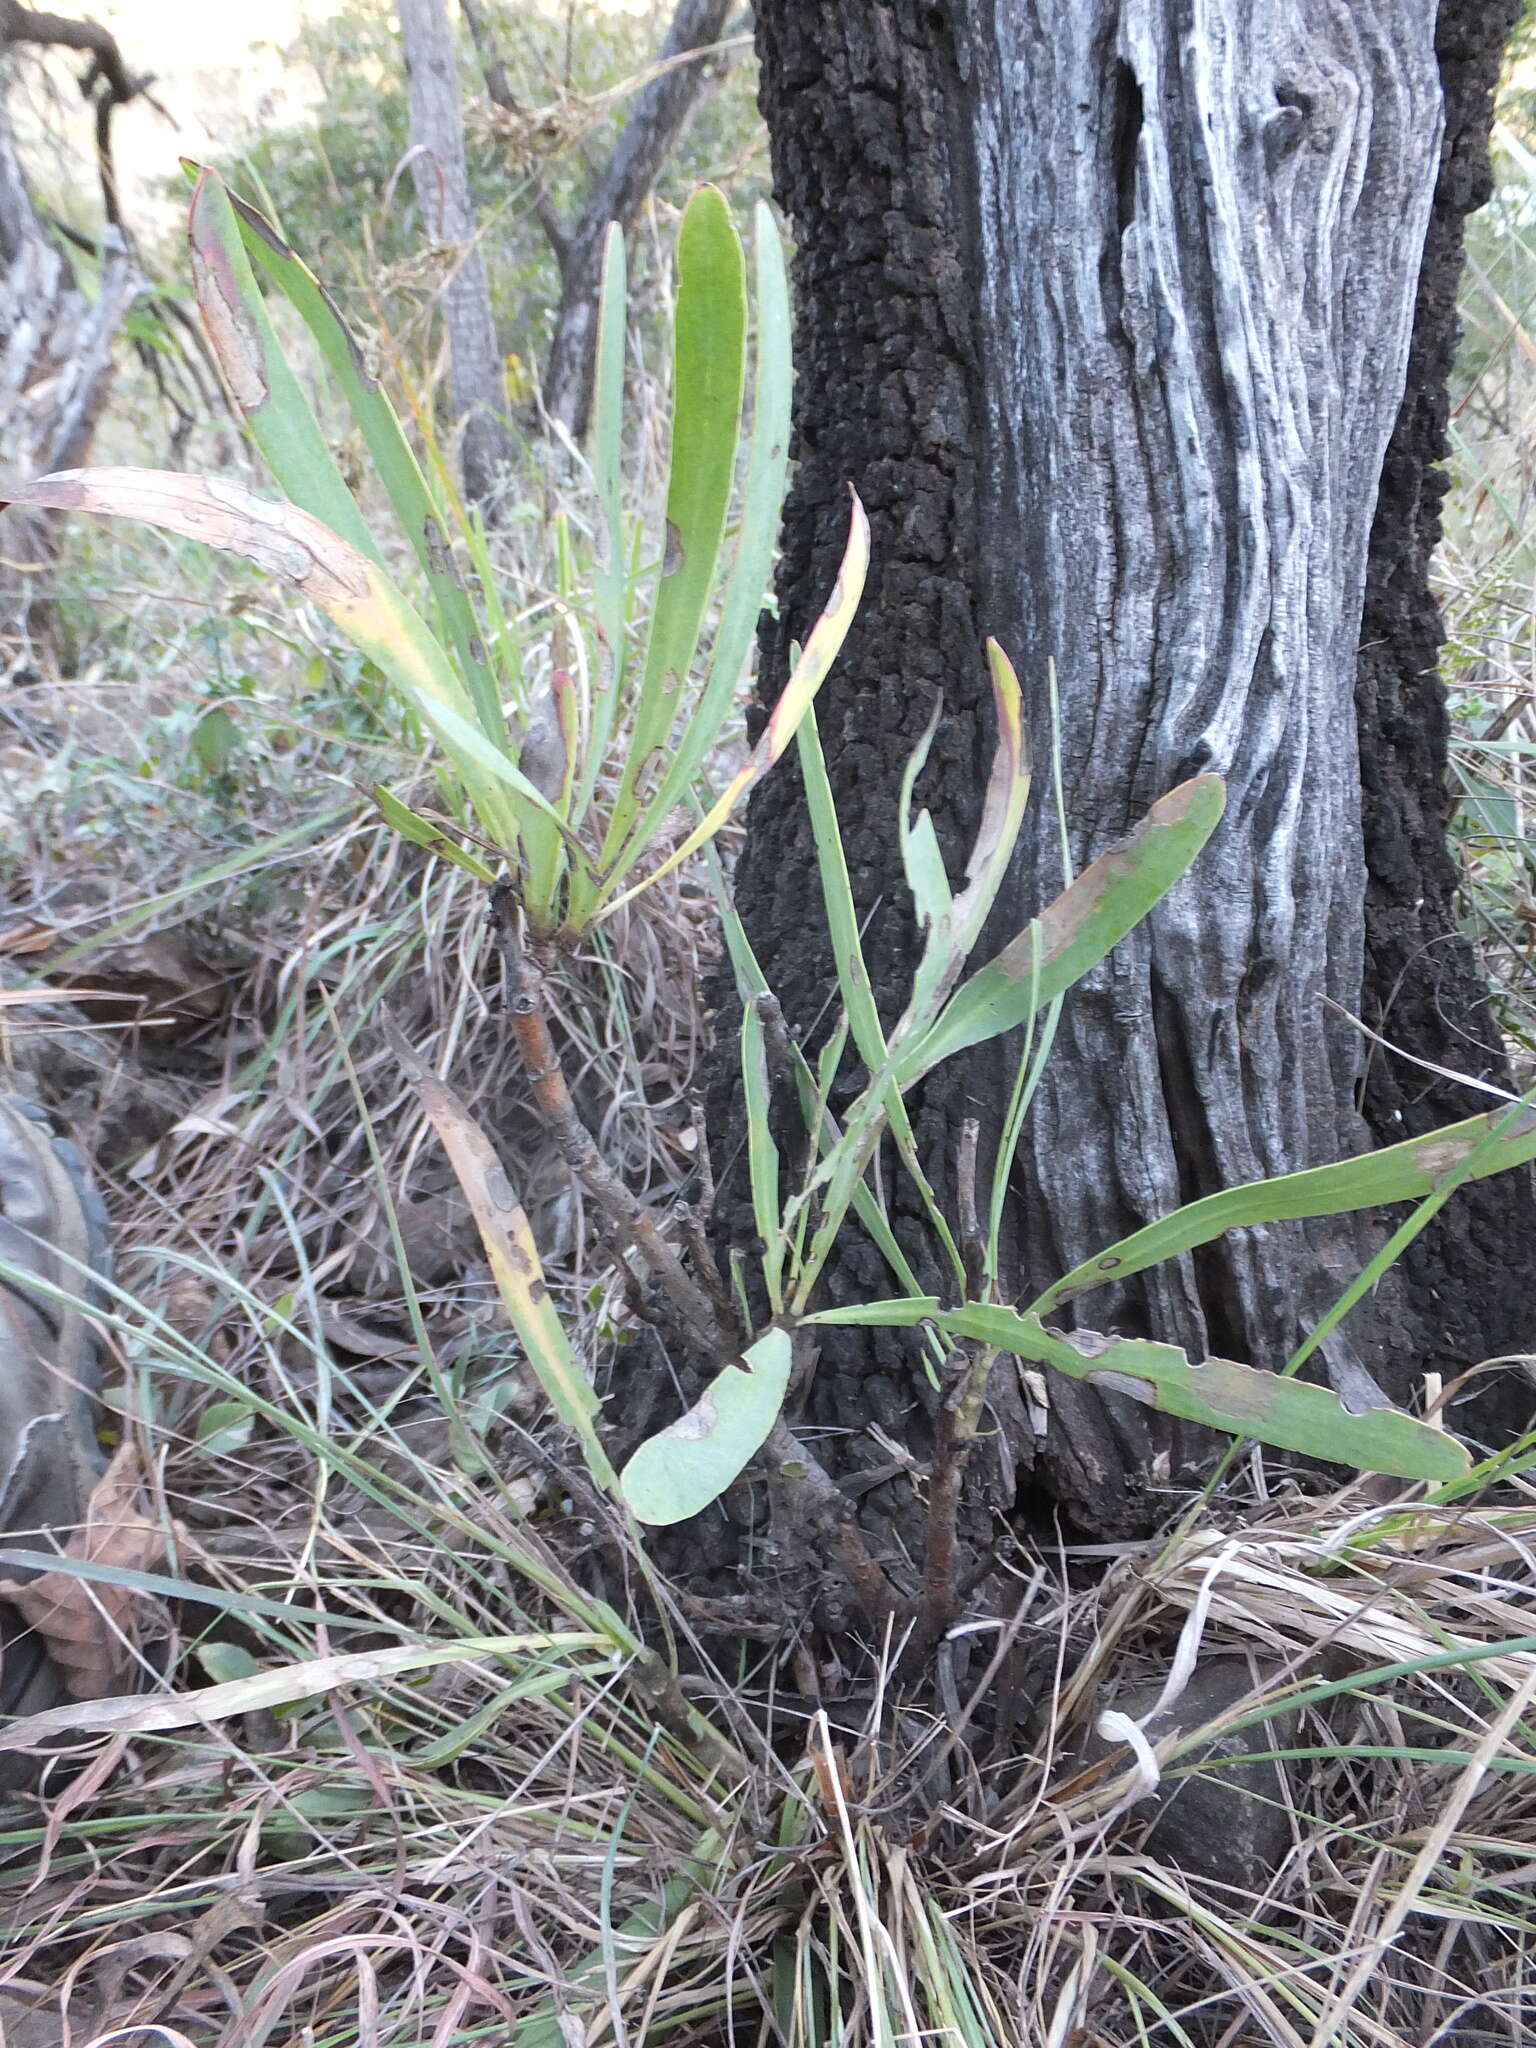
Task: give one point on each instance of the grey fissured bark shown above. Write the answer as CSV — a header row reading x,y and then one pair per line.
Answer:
x,y
57,362
1106,311
442,186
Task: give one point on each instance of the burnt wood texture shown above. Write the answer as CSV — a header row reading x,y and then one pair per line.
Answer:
x,y
1109,311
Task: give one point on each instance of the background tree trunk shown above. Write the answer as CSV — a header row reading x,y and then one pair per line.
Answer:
x,y
442,186
658,116
56,369
1107,313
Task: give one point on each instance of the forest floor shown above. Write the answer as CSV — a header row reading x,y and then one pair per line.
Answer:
x,y
416,1779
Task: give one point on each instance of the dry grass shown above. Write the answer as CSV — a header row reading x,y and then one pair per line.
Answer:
x,y
516,1835
541,1841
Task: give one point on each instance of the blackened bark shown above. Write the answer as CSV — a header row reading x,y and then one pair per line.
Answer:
x,y
869,126
442,187
1468,1276
1106,312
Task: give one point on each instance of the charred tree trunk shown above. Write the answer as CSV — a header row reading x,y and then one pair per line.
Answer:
x,y
1468,1294
442,186
1107,313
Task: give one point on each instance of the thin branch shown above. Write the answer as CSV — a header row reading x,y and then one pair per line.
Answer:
x,y
688,62
107,82
499,90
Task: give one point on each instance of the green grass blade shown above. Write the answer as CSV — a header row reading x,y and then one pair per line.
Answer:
x,y
1291,1414
751,983
837,896
1398,1241
1399,1173
762,1154
853,975
422,832
708,378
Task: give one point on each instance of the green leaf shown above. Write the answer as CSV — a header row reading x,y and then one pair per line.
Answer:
x,y
853,978
225,1426
708,377
225,1662
1292,1414
1398,1173
418,511
762,1154
752,983
837,898
810,671
921,861
422,832
348,587
256,372
959,925
1108,899
678,1473
752,566
215,738
607,450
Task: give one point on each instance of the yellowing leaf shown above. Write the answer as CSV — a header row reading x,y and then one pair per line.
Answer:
x,y
513,1256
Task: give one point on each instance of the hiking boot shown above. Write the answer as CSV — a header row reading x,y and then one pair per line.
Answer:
x,y
53,1235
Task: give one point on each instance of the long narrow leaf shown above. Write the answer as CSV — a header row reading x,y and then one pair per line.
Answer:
x,y
393,460
1398,1173
816,658
422,832
952,923
277,1687
611,580
762,1153
751,983
709,363
1091,916
257,374
295,547
763,500
837,899
853,975
1292,1414
1001,816
513,1258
